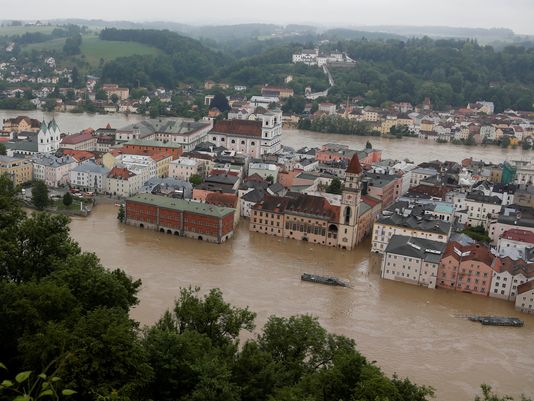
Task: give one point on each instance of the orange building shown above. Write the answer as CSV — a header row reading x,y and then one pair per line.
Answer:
x,y
139,145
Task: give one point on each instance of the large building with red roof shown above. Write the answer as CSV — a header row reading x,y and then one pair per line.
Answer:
x,y
313,218
250,137
84,140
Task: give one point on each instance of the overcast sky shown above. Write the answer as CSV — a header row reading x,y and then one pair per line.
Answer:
x,y
515,14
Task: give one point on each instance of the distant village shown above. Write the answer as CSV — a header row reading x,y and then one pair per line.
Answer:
x,y
50,88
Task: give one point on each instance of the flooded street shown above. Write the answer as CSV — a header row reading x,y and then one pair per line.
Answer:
x,y
406,329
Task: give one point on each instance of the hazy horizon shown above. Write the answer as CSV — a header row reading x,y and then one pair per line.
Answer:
x,y
515,14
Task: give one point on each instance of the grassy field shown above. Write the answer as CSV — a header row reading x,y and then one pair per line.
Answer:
x,y
19,30
93,49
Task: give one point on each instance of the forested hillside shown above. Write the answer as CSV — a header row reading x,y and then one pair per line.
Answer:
x,y
450,72
183,59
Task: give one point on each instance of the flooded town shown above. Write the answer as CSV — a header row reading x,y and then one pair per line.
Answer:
x,y
263,271
267,211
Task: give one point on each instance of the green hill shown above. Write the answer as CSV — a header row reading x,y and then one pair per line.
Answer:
x,y
94,49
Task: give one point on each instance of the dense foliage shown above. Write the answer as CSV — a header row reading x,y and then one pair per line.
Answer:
x,y
61,305
450,72
182,59
338,125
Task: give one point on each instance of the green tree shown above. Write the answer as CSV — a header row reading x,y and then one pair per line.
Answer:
x,y
39,194
505,142
75,77
101,95
114,99
470,141
49,105
121,215
221,102
3,150
489,395
368,145
67,199
195,179
211,315
72,45
335,186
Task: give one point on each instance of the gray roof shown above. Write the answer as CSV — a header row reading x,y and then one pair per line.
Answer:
x,y
429,251
168,184
52,161
25,146
479,196
174,126
91,167
422,224
255,196
222,179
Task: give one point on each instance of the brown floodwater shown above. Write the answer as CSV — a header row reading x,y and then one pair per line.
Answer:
x,y
408,330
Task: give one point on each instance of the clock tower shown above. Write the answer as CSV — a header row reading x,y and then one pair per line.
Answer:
x,y
350,204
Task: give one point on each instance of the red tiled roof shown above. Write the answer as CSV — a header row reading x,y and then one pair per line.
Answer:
x,y
220,199
522,288
255,178
516,234
120,173
79,155
238,127
370,200
474,252
354,166
513,266
77,138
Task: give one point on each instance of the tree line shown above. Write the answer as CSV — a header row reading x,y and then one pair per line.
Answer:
x,y
450,72
338,125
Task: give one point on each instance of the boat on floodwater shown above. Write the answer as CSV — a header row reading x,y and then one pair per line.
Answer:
x,y
328,280
497,321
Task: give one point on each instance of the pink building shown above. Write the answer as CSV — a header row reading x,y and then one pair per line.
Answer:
x,y
334,152
466,268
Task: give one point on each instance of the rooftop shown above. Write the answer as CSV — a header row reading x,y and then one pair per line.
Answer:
x,y
428,250
77,138
239,127
519,235
156,144
182,205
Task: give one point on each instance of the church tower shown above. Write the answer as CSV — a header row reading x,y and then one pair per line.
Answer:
x,y
350,204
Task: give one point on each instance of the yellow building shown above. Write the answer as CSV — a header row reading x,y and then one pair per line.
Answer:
x,y
21,124
163,163
427,125
386,125
19,170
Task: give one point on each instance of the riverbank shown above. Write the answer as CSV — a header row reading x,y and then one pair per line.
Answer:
x,y
408,330
415,149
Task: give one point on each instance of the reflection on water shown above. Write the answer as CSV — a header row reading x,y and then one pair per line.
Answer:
x,y
406,329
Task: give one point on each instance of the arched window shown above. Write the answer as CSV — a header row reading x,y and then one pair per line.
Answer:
x,y
348,213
